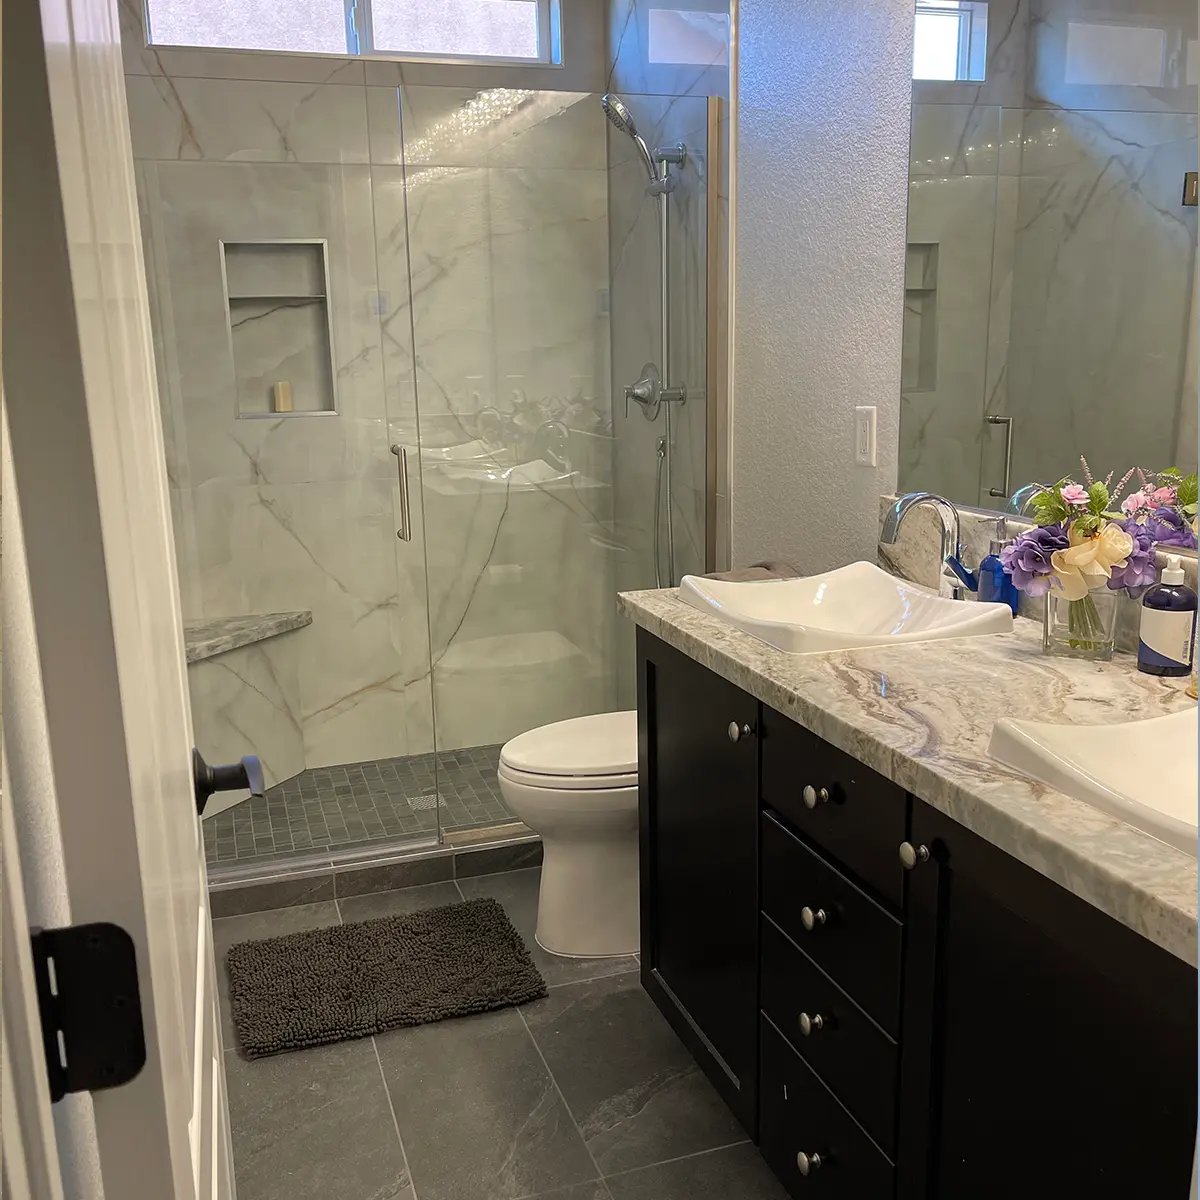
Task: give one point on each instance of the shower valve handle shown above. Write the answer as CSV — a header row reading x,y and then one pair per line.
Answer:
x,y
650,393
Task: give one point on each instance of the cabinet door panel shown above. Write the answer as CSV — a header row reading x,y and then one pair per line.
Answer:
x,y
698,808
1064,1045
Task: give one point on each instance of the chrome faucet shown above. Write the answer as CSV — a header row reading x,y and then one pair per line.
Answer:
x,y
962,580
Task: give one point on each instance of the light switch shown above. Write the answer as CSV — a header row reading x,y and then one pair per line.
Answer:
x,y
865,418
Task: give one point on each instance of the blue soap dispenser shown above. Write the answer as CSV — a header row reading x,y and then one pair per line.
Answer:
x,y
995,583
1167,637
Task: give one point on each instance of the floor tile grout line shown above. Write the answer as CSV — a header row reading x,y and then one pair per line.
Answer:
x,y
412,1183
593,979
678,1158
559,1091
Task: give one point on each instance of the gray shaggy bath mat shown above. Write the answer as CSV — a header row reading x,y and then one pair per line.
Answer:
x,y
350,981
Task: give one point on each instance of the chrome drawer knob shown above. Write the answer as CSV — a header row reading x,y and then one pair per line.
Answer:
x,y
737,732
810,918
814,796
910,855
809,1025
808,1163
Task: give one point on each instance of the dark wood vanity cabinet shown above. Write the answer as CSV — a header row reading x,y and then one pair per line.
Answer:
x,y
961,1030
697,783
1049,1050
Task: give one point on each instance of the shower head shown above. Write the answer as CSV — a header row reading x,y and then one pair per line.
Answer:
x,y
622,119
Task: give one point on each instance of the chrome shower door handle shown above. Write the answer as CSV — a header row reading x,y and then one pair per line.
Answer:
x,y
1007,422
404,533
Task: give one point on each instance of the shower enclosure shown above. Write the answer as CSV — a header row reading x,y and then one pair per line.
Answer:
x,y
394,330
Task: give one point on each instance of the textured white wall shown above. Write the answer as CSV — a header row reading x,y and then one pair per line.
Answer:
x,y
823,99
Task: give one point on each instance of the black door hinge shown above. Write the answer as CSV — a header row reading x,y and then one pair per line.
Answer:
x,y
91,1010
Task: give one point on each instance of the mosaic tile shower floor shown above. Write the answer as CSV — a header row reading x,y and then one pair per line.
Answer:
x,y
346,807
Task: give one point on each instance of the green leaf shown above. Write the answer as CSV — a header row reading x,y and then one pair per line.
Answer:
x,y
1189,510
1097,497
1087,523
1170,473
1185,491
1049,508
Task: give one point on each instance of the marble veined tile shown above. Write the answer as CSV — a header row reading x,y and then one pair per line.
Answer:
x,y
195,206
247,701
476,127
246,120
548,250
1102,284
669,49
330,548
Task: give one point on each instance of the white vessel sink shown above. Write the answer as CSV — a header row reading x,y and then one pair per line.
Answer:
x,y
1142,772
847,609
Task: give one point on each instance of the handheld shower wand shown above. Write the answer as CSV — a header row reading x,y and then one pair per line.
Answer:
x,y
654,388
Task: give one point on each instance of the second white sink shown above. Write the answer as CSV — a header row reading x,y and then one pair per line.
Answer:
x,y
1142,772
851,608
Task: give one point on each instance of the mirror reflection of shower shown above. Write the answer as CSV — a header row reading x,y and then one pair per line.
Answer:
x,y
654,389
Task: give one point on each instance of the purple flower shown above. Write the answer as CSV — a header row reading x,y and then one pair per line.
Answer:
x,y
1139,572
1027,558
1170,528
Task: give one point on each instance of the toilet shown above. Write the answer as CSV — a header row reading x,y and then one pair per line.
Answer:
x,y
575,783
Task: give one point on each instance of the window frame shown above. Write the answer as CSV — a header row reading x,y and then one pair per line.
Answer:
x,y
968,31
360,43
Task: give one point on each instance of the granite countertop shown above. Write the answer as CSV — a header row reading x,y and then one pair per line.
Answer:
x,y
216,635
923,714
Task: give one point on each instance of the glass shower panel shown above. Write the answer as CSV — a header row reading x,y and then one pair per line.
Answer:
x,y
278,511
506,195
640,494
961,170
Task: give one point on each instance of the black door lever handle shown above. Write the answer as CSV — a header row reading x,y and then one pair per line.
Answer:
x,y
247,773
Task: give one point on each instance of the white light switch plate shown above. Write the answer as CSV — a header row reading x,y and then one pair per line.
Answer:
x,y
864,435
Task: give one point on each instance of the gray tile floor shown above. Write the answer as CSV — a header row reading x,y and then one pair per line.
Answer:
x,y
360,804
586,1095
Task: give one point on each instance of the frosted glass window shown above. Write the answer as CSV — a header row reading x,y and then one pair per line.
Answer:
x,y
950,40
311,26
470,28
526,30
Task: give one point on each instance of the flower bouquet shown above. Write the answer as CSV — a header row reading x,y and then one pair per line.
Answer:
x,y
1084,551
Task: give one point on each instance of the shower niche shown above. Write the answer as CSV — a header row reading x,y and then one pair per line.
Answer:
x,y
280,326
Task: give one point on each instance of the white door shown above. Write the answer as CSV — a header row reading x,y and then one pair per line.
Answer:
x,y
96,718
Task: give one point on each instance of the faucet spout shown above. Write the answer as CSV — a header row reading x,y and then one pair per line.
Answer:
x,y
951,547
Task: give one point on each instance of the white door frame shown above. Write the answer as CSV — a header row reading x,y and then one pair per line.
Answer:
x,y
105,671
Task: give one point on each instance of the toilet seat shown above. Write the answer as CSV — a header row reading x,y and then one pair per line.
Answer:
x,y
568,783
581,754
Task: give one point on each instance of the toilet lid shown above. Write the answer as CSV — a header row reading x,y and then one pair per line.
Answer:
x,y
602,744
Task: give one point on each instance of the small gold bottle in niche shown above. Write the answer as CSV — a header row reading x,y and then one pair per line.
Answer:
x,y
281,396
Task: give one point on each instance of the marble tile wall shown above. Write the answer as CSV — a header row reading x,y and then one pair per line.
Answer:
x,y
247,700
1090,283
509,253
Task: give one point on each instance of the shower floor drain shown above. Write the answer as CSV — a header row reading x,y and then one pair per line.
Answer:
x,y
426,803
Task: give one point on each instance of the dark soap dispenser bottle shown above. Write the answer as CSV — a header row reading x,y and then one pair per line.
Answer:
x,y
1167,638
995,583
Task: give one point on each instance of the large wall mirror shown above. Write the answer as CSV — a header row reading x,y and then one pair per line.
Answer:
x,y
1050,284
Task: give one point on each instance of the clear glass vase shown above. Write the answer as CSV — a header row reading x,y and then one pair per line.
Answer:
x,y
1084,628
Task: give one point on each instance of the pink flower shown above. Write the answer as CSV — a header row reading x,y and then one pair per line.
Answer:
x,y
1133,502
1073,493
1164,496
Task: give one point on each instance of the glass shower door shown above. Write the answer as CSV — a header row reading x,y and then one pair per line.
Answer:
x,y
265,296
507,239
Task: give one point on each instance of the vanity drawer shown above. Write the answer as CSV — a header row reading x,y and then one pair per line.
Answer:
x,y
857,817
852,1055
847,934
798,1114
